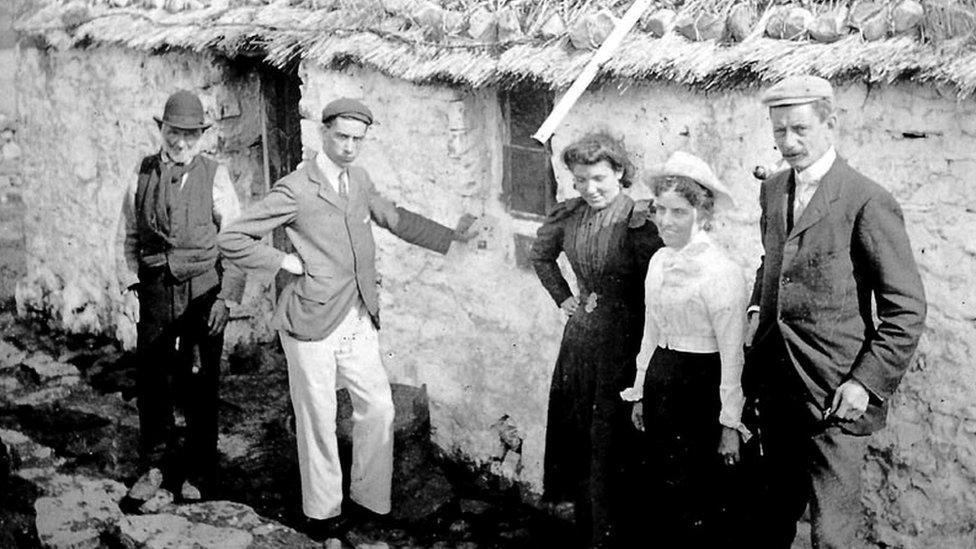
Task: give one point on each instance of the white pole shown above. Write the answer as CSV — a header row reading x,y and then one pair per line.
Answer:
x,y
589,72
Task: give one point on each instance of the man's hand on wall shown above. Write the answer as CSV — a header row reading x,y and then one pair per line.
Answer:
x,y
219,314
468,227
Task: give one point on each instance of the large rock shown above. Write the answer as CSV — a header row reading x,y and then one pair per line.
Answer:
x,y
77,511
700,27
589,31
657,23
829,26
172,532
10,356
216,524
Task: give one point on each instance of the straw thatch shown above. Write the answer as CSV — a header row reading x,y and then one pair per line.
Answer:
x,y
478,43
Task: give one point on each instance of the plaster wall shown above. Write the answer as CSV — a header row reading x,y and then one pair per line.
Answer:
x,y
86,119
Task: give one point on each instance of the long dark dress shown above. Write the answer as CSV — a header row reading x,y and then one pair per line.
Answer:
x,y
588,423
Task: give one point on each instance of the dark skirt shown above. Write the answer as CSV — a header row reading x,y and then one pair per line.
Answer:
x,y
589,438
686,478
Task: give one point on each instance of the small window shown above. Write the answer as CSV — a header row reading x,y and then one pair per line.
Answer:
x,y
529,185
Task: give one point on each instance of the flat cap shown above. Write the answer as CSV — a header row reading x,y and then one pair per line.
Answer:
x,y
797,90
347,107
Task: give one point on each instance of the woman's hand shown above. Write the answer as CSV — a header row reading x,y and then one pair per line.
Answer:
x,y
637,416
570,305
293,264
728,446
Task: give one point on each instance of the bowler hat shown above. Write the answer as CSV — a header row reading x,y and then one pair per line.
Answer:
x,y
797,90
347,107
685,164
183,110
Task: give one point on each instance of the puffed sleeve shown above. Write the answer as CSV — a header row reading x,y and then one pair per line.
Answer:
x,y
546,249
725,296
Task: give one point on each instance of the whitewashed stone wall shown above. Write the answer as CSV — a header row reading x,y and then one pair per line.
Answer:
x,y
483,335
476,329
86,121
920,485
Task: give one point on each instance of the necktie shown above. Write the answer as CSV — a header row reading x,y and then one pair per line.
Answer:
x,y
344,184
801,198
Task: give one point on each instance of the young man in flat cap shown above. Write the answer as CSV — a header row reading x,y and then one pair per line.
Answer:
x,y
823,364
169,270
328,316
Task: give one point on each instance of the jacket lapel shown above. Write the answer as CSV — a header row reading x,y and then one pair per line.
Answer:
x,y
827,192
326,189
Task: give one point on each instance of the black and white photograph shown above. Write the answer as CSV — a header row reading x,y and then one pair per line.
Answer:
x,y
487,274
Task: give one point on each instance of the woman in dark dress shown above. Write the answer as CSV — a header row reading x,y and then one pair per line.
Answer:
x,y
608,241
689,402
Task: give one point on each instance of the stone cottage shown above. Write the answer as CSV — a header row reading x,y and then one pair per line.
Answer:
x,y
458,90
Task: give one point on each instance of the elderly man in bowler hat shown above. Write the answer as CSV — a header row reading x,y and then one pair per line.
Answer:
x,y
823,363
328,316
176,286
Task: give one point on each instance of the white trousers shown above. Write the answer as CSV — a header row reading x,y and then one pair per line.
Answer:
x,y
349,357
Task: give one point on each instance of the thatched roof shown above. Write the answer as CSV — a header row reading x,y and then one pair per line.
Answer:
x,y
704,43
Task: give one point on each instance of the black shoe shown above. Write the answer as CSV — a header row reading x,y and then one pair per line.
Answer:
x,y
360,516
323,529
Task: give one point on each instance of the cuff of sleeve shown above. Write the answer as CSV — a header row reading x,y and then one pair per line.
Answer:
x,y
752,309
872,393
738,426
635,393
632,394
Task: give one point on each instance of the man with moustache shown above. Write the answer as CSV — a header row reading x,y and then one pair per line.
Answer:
x,y
174,283
835,317
328,316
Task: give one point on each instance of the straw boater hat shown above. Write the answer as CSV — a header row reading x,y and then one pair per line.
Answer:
x,y
688,165
183,110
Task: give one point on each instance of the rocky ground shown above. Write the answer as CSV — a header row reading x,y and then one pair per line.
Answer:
x,y
68,428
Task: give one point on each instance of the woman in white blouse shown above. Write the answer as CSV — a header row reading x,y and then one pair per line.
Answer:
x,y
687,393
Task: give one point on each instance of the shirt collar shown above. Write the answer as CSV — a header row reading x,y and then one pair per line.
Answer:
x,y
815,172
700,241
330,169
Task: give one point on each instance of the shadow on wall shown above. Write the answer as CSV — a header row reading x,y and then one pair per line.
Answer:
x,y
13,256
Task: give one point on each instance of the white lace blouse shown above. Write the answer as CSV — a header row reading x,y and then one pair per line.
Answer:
x,y
696,298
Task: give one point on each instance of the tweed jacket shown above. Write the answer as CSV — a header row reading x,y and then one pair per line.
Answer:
x,y
842,287
333,237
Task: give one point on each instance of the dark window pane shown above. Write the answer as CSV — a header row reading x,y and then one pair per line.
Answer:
x,y
528,108
529,183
